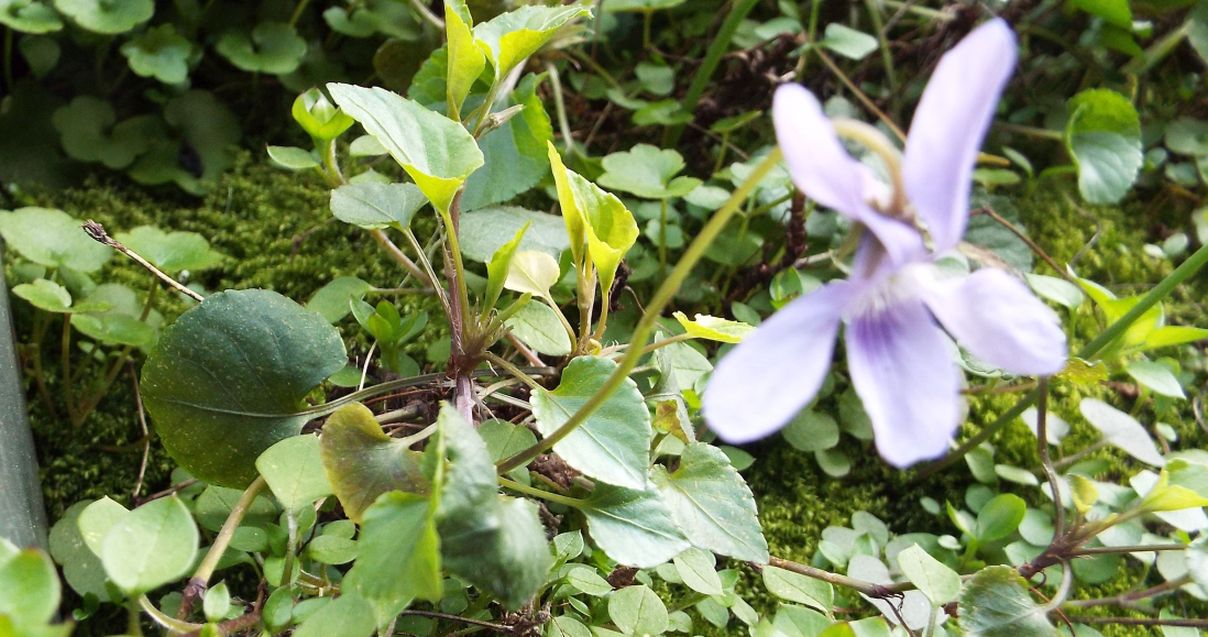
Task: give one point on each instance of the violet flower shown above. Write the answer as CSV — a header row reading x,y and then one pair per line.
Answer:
x,y
896,304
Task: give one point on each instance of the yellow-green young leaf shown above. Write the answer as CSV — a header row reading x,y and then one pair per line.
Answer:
x,y
595,218
466,60
499,265
714,329
436,152
362,462
510,38
319,117
565,184
1168,335
532,272
1170,497
1084,492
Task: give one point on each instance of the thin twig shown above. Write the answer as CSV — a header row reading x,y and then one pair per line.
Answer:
x,y
98,234
1046,462
142,422
1036,249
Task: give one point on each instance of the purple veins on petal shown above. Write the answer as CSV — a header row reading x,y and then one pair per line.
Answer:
x,y
901,366
776,371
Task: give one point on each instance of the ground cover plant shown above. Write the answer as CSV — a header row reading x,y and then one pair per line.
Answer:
x,y
512,408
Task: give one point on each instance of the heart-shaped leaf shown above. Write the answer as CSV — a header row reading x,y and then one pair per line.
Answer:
x,y
613,444
88,131
271,47
537,325
29,16
435,151
159,53
52,238
150,546
107,16
171,251
485,230
647,171
362,462
228,379
1104,136
713,505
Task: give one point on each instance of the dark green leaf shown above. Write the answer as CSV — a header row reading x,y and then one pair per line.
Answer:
x,y
159,53
1104,136
515,152
227,380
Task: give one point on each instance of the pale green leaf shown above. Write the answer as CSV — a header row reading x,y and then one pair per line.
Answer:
x,y
537,325
532,272
52,238
293,469
435,151
150,546
713,505
938,582
613,443
377,205
632,527
996,603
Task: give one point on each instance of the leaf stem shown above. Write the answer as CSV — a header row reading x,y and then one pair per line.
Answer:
x,y
650,317
519,487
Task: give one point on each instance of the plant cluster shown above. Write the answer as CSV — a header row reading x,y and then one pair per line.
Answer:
x,y
554,475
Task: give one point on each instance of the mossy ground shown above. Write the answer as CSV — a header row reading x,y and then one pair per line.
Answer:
x,y
276,230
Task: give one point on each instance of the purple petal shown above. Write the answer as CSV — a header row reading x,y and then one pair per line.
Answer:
x,y
994,315
901,368
826,173
775,371
949,125
817,161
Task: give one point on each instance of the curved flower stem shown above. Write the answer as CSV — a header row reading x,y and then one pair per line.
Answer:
x,y
1160,291
650,317
538,493
874,140
161,618
201,577
1046,463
